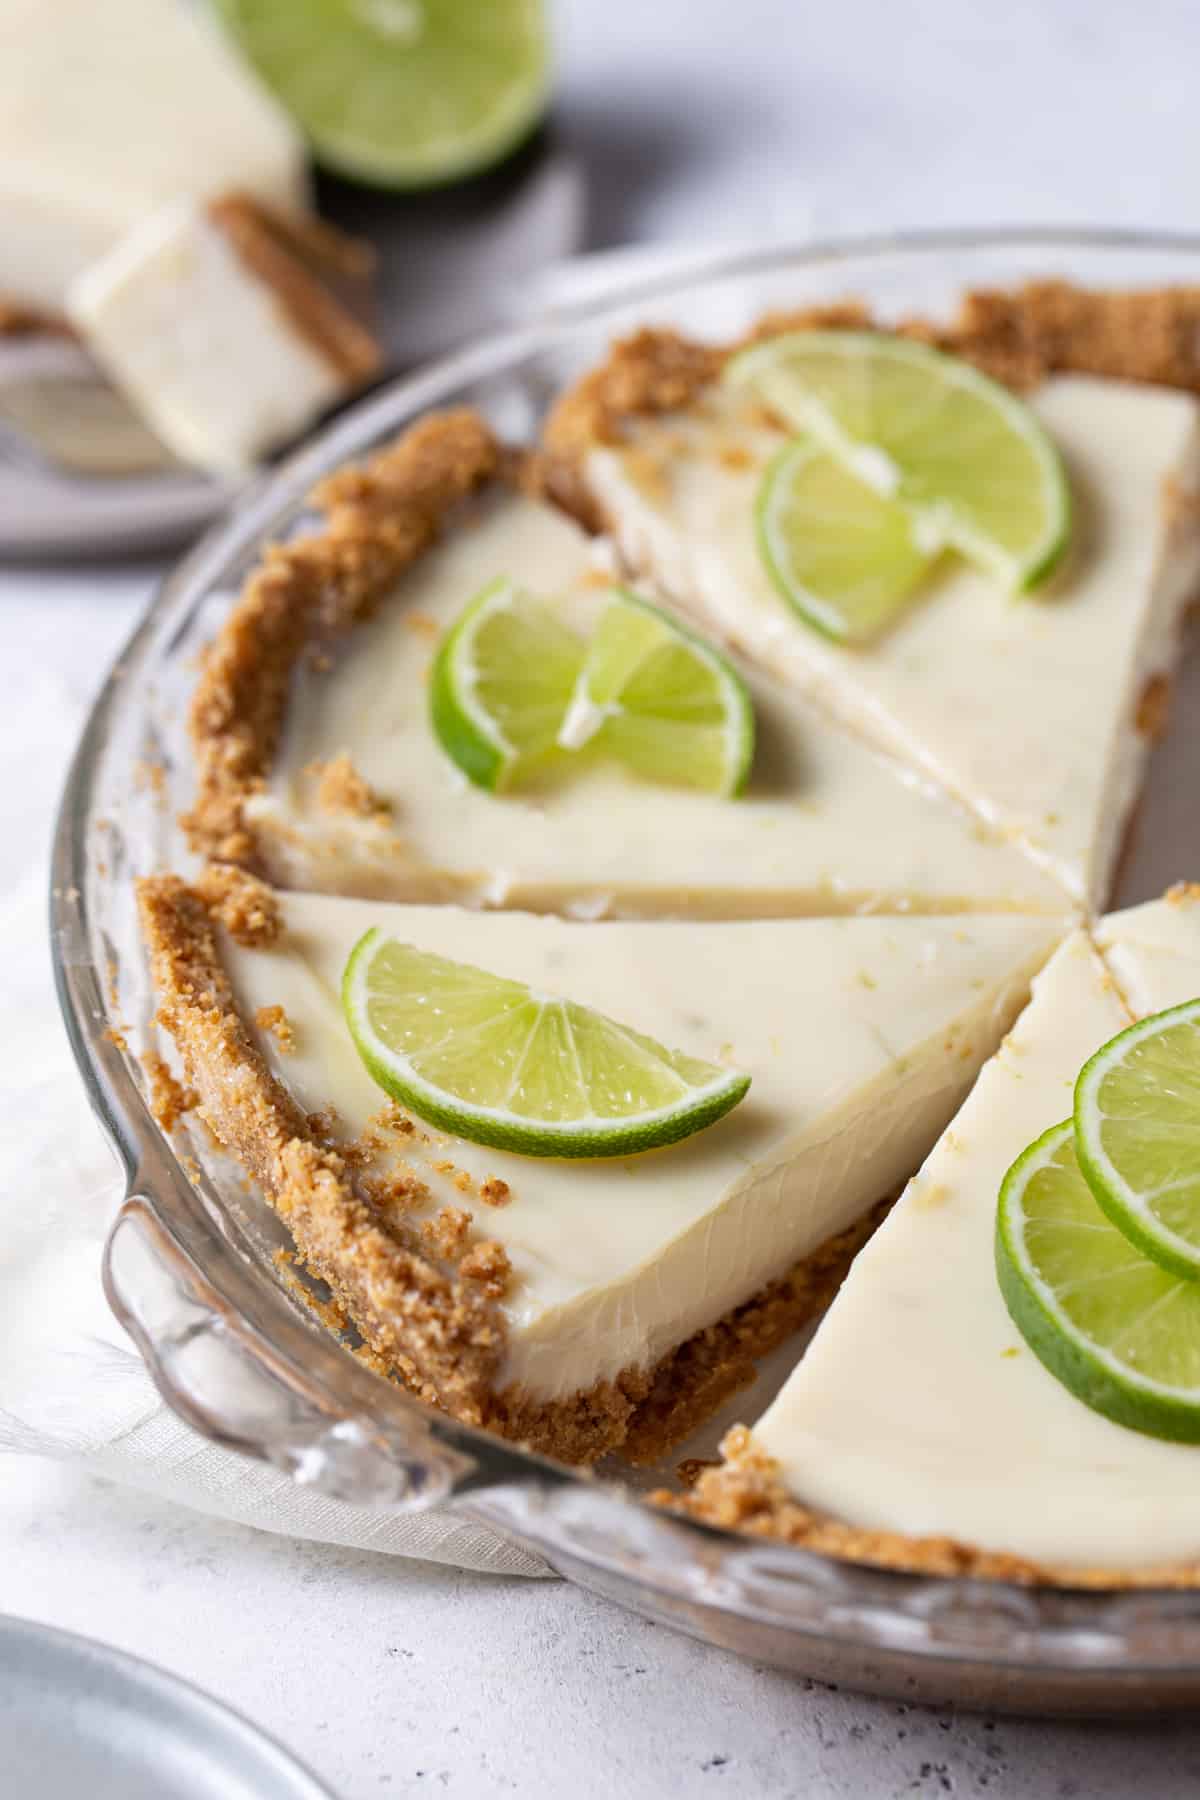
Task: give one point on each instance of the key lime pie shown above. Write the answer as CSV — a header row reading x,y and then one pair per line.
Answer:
x,y
919,1415
319,771
619,860
1035,712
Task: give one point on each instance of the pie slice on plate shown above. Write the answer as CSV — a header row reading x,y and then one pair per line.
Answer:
x,y
1035,710
567,1314
919,1423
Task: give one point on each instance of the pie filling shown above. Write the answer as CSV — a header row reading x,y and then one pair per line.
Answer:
x,y
827,826
918,1405
957,791
1043,747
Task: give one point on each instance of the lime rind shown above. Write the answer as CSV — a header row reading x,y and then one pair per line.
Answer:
x,y
579,1077
662,701
840,408
401,93
842,556
1096,1265
498,715
1137,1072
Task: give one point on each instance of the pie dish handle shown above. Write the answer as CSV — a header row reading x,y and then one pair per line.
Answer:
x,y
222,1378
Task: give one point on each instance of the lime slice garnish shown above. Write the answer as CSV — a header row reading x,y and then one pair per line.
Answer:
x,y
662,701
499,1063
843,555
1137,1135
402,93
966,457
1116,1329
501,683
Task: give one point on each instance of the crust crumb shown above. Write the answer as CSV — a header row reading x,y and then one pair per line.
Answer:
x,y
447,1232
245,906
397,1193
422,624
392,1117
1154,707
169,1098
495,1192
341,789
1184,893
1180,504
487,1263
692,1468
275,1020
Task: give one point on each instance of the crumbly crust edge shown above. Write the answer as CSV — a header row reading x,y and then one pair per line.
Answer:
x,y
423,1320
1018,336
378,518
440,1332
296,260
747,1494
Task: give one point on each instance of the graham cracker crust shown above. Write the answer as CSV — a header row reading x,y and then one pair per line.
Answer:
x,y
746,1493
424,1301
378,518
303,262
1018,337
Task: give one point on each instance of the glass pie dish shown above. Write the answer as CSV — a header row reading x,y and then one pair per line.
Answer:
x,y
193,1267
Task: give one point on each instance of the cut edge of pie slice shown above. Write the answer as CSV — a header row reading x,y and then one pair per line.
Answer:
x,y
585,1306
1036,712
919,1431
318,766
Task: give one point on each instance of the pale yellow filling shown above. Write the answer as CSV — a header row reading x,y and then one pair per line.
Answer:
x,y
827,825
861,1037
918,1408
1025,707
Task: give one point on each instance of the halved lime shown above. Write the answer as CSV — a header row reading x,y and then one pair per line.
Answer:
x,y
966,457
1109,1323
661,700
497,1062
1137,1135
501,683
402,93
843,555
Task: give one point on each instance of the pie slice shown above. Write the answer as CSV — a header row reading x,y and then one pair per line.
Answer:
x,y
561,1303
1036,711
222,325
919,1423
319,768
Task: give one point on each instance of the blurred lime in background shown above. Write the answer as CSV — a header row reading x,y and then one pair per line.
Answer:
x,y
401,93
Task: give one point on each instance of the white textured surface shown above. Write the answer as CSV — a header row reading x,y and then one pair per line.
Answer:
x,y
400,1678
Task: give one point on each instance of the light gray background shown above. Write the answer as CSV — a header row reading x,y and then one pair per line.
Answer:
x,y
699,120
